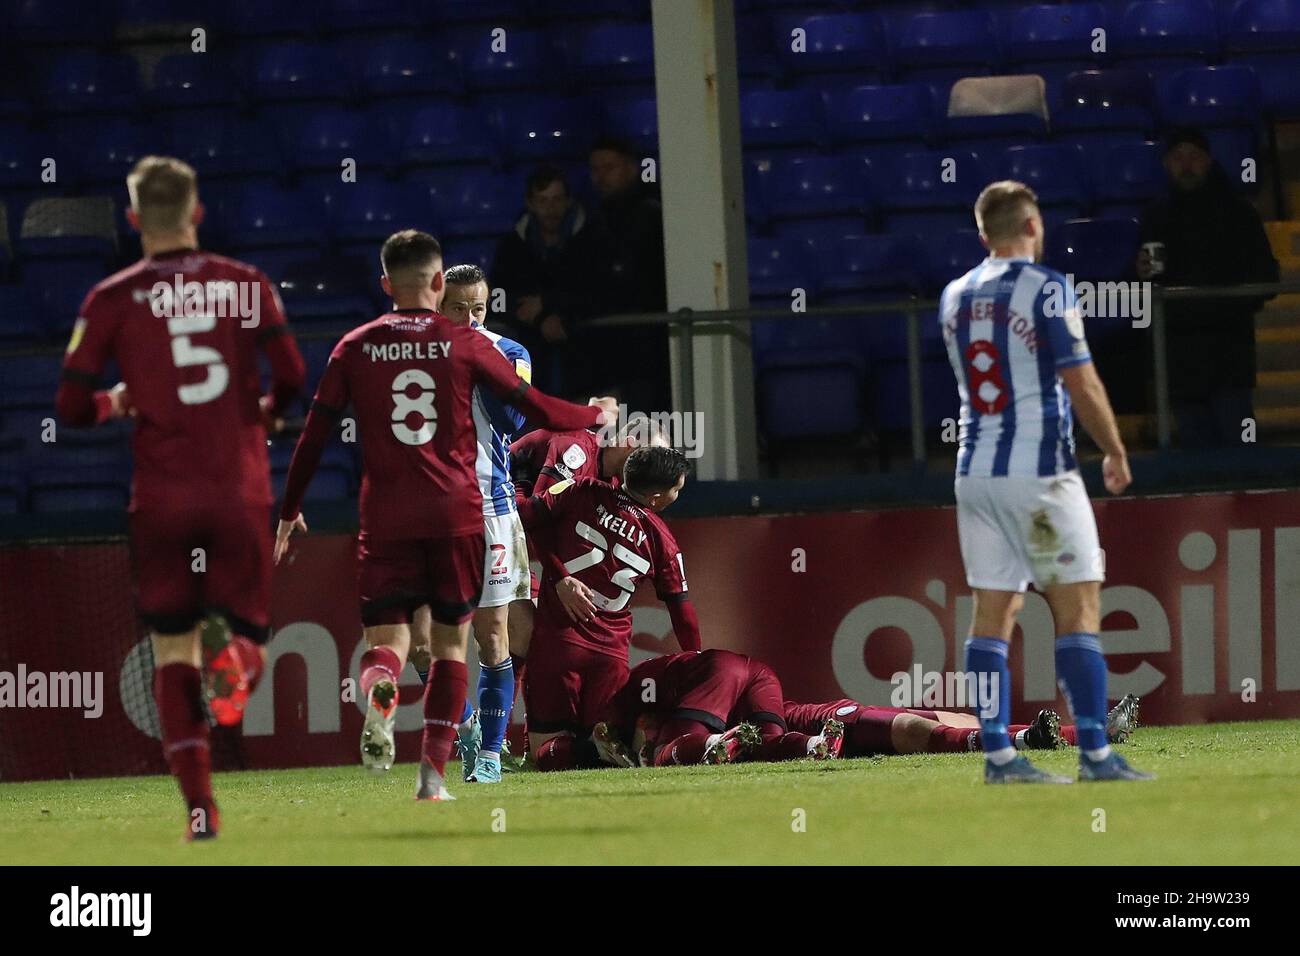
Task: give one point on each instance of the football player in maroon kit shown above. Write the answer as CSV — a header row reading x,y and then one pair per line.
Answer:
x,y
185,327
596,542
410,377
540,459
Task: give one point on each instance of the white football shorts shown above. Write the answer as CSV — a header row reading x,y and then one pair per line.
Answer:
x,y
1014,530
505,563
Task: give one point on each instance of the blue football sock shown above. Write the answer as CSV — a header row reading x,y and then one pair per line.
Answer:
x,y
496,692
1081,672
986,658
468,710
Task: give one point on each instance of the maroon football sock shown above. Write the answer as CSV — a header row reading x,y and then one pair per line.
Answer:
x,y
377,663
444,698
682,749
951,740
790,746
520,665
869,735
556,754
178,691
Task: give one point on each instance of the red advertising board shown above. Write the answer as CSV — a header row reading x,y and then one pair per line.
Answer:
x,y
1201,618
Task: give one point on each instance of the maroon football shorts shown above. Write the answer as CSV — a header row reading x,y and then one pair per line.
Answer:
x,y
722,688
567,686
175,587
399,575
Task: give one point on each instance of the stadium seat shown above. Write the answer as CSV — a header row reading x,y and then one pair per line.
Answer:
x,y
1130,173
1175,31
111,151
929,191
318,290
612,53
1264,25
636,120
935,43
869,114
146,21
368,212
832,43
1212,96
1104,101
90,490
1096,249
188,81
990,111
353,16
402,66
545,129
812,395
780,118
329,135
59,22
1056,173
20,157
488,11
478,204
1053,33
28,381
19,321
814,186
441,133
64,227
526,62
270,216
57,287
950,255
855,264
220,145
297,70
778,266
91,83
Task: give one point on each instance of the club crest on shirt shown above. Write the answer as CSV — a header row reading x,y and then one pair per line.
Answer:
x,y
574,457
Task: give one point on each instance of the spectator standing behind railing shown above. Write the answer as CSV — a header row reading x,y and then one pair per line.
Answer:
x,y
545,265
1204,233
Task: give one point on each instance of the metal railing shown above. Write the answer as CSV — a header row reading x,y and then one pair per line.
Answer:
x,y
690,322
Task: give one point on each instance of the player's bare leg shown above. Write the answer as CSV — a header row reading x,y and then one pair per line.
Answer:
x,y
178,691
444,697
480,749
381,667
1081,672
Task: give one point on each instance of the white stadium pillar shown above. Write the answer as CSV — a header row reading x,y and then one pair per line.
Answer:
x,y
704,222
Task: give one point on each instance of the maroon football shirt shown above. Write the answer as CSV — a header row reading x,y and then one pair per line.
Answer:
x,y
193,379
409,376
604,538
547,457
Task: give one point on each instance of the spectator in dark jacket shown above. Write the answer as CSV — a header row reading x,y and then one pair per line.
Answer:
x,y
1211,236
545,265
631,225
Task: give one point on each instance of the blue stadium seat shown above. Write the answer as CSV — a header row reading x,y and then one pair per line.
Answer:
x,y
58,287
478,204
476,251
67,22
1101,101
91,83
543,129
949,255
54,491
780,118
404,65
13,494
297,70
329,135
868,114
456,11
1264,25
636,120
946,40
813,395
353,16
1062,33
29,381
20,158
261,18
66,227
814,186
1182,31
776,267
316,355
612,53
1056,173
441,133
1096,249
220,145
527,61
270,216
112,150
319,290
1130,175
1212,96
856,264
156,20
19,321
190,80
838,42
923,192
372,211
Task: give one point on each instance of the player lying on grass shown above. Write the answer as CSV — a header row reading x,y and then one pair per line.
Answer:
x,y
410,376
596,543
884,731
713,706
540,459
481,732
202,481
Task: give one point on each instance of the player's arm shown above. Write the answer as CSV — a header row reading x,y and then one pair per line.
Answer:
x,y
327,407
1087,393
288,370
78,402
494,371
670,585
686,625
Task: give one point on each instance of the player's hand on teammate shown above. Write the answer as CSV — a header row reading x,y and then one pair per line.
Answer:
x,y
607,404
575,598
120,401
530,307
272,424
1115,473
282,532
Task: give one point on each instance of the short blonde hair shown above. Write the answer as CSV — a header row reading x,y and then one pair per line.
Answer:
x,y
1002,208
163,192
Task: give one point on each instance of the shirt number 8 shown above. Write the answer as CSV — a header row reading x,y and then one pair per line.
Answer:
x,y
421,404
988,392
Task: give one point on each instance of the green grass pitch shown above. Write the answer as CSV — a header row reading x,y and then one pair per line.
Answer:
x,y
1227,794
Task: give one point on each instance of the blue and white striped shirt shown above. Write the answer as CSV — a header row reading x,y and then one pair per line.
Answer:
x,y
1010,326
496,422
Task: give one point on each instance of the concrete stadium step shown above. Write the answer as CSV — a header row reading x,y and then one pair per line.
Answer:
x,y
1277,348
1277,388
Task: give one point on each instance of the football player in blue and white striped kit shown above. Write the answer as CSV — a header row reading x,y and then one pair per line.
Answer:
x,y
1015,340
482,732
